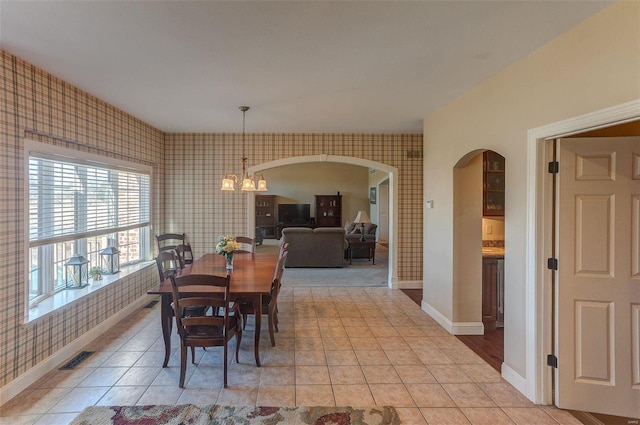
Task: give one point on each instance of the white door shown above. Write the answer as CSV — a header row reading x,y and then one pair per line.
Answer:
x,y
598,286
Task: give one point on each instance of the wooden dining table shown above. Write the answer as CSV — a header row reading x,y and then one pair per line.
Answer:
x,y
250,280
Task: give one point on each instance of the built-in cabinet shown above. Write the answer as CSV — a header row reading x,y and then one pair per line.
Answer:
x,y
493,184
266,210
492,292
328,210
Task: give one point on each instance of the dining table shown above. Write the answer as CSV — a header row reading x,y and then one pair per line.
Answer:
x,y
250,279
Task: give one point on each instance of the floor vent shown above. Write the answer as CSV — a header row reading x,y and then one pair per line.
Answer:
x,y
151,304
82,356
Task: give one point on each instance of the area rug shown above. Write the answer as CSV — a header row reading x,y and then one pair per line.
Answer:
x,y
214,414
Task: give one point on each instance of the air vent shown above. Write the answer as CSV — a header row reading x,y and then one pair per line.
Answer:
x,y
414,154
82,356
151,304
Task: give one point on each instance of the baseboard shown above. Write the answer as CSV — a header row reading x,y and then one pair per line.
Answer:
x,y
23,381
437,316
467,328
515,379
410,284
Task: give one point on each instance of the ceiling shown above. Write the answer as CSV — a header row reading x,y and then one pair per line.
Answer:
x,y
302,66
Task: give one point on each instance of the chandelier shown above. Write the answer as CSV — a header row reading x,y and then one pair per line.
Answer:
x,y
248,182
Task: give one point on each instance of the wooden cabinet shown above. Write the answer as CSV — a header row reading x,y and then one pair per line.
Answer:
x,y
493,292
328,210
493,184
266,210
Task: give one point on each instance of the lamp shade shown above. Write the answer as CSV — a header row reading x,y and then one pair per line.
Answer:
x,y
362,217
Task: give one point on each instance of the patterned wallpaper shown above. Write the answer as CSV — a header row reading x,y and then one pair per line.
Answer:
x,y
196,164
39,106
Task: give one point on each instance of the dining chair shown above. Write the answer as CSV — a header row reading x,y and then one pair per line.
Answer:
x,y
168,265
247,245
185,254
169,241
205,331
269,302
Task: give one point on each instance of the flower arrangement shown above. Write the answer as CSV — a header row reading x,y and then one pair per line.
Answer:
x,y
226,245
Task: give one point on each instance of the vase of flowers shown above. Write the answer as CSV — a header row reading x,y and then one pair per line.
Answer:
x,y
226,246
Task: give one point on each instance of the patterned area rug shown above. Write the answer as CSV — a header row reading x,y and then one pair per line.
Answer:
x,y
232,415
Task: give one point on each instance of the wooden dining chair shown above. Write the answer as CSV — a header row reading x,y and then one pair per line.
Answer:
x,y
269,302
169,241
185,254
205,331
168,265
247,245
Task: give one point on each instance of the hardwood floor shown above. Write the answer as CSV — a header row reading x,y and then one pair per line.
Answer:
x,y
490,346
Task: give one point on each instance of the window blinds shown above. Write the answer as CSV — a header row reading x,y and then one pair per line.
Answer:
x,y
71,199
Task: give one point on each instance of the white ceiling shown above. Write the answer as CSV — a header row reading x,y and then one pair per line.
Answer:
x,y
302,66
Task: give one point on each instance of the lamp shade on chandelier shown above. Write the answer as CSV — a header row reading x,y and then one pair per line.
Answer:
x,y
248,183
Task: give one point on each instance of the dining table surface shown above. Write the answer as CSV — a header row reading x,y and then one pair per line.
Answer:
x,y
251,278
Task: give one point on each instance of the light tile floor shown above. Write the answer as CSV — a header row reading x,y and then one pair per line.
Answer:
x,y
336,346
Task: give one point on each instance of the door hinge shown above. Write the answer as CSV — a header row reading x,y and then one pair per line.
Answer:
x,y
554,167
552,263
552,361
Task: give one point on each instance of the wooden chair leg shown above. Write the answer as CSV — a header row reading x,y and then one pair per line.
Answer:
x,y
193,354
244,322
225,364
238,340
271,335
183,363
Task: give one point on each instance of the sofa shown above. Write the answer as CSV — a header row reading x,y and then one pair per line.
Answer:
x,y
352,232
320,247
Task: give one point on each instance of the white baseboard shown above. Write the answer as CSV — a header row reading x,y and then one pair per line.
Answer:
x,y
437,316
514,378
454,328
467,328
410,284
23,381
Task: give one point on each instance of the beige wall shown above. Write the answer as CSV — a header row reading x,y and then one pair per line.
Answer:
x,y
298,183
497,228
467,263
594,66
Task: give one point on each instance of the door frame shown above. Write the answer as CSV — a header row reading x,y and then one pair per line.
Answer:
x,y
539,326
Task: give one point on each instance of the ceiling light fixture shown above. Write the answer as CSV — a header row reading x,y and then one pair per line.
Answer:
x,y
248,182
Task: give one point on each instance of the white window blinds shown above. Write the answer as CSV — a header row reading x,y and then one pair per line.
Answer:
x,y
71,199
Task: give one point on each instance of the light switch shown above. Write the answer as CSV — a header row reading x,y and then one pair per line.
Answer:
x,y
489,229
429,204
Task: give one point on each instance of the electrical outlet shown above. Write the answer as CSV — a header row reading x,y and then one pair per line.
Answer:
x,y
489,229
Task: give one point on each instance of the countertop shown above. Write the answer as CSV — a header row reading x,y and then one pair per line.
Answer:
x,y
492,252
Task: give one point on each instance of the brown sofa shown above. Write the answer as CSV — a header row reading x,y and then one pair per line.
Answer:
x,y
353,232
320,247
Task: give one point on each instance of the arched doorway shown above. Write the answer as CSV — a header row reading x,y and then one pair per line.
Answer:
x,y
392,281
478,254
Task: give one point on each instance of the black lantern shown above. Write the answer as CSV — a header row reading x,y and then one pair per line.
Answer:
x,y
77,272
110,260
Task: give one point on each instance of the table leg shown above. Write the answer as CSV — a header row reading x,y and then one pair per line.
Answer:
x,y
257,307
166,317
373,256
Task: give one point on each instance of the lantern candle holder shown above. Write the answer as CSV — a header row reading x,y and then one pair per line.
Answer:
x,y
110,260
76,272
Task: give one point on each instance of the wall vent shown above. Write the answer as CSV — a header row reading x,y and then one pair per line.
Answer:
x,y
414,154
82,356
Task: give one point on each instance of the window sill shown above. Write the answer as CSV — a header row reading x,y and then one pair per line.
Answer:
x,y
68,296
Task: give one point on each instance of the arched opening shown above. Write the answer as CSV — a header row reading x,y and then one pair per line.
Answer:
x,y
390,175
478,254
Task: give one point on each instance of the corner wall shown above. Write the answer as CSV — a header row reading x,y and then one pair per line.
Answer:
x,y
594,66
34,102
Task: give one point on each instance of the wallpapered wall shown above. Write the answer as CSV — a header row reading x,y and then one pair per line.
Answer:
x,y
39,106
197,163
33,101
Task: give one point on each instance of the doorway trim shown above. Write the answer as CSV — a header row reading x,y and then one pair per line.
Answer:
x,y
392,278
539,326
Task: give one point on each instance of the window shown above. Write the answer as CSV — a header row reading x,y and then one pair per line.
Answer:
x,y
81,204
